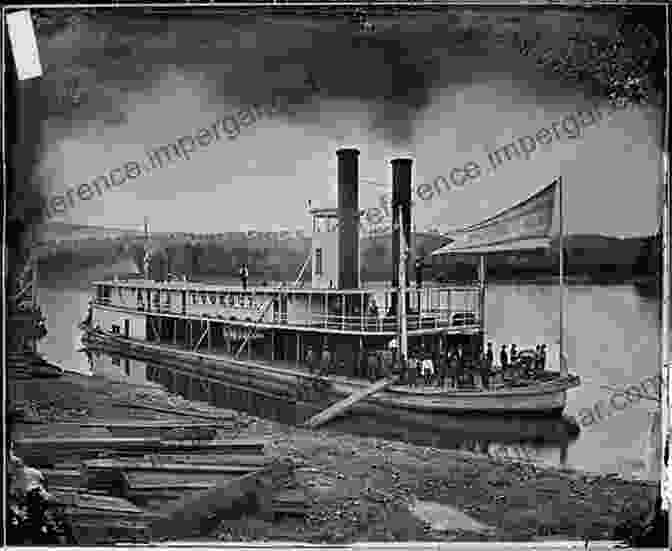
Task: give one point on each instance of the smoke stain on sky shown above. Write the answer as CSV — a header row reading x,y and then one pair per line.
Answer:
x,y
442,87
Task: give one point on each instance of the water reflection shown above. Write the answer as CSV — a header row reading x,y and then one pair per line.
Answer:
x,y
540,440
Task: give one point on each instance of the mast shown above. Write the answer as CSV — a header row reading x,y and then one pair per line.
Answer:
x,y
145,260
563,363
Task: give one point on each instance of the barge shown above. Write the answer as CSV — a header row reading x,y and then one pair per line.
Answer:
x,y
331,338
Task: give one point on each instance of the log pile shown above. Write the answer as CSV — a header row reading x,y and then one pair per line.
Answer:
x,y
156,480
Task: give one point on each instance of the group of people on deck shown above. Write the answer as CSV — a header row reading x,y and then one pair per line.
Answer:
x,y
457,368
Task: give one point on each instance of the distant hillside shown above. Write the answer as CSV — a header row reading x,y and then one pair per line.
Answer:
x,y
601,258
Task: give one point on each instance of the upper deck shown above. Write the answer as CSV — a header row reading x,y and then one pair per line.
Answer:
x,y
357,311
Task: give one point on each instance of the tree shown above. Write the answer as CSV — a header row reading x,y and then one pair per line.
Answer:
x,y
626,64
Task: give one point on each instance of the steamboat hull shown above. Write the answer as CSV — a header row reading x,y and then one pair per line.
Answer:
x,y
542,399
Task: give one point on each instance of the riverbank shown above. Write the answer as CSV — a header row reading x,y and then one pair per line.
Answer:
x,y
364,488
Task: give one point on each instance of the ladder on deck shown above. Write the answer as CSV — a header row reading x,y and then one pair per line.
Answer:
x,y
253,330
342,406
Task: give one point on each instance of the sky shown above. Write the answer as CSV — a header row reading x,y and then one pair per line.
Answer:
x,y
443,88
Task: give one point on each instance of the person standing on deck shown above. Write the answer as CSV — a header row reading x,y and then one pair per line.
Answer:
x,y
418,369
452,368
427,371
244,274
459,370
503,358
310,360
411,373
486,366
418,273
513,357
489,356
439,366
537,358
326,361
542,357
438,370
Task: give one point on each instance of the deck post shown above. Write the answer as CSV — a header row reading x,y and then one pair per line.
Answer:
x,y
419,292
272,345
342,312
249,349
482,274
362,307
209,336
298,349
174,331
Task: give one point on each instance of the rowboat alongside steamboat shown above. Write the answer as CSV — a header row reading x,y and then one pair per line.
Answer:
x,y
259,336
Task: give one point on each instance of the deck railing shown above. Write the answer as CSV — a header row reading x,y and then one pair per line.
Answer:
x,y
431,308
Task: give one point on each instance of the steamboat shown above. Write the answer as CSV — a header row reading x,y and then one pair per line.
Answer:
x,y
331,340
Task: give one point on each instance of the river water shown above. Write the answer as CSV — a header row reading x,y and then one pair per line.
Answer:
x,y
612,339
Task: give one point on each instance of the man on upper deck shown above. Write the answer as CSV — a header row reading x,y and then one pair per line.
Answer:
x,y
244,274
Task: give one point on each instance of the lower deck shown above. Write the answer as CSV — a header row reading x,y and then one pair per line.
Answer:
x,y
363,356
295,381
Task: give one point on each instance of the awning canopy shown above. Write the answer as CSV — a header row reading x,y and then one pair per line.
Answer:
x,y
524,245
525,226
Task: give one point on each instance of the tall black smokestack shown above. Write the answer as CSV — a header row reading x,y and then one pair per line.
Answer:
x,y
401,209
348,215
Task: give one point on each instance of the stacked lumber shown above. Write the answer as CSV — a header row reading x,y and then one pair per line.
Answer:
x,y
98,519
28,365
293,502
117,485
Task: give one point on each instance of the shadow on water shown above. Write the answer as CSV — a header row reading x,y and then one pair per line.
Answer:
x,y
542,440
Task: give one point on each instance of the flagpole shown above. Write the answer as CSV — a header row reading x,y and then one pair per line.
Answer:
x,y
482,273
563,364
666,291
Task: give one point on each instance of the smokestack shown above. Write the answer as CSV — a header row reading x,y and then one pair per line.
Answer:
x,y
348,216
401,209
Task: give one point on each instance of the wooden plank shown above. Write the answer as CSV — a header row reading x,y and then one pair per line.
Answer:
x,y
240,445
158,466
173,433
63,477
79,442
36,447
155,422
211,459
52,430
192,512
95,502
140,486
44,452
343,405
201,415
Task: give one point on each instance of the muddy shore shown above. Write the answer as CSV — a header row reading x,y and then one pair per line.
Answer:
x,y
364,488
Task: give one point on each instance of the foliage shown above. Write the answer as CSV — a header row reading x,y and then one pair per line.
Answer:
x,y
625,65
31,521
